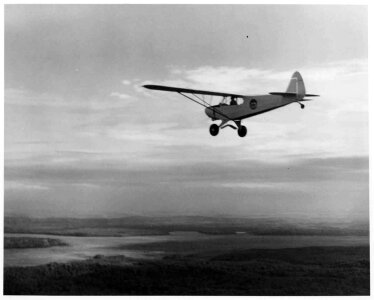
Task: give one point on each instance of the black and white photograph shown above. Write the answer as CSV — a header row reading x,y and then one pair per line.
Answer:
x,y
186,150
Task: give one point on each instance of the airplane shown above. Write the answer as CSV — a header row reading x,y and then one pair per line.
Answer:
x,y
241,107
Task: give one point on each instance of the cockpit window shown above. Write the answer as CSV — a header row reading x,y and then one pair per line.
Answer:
x,y
253,104
225,101
231,101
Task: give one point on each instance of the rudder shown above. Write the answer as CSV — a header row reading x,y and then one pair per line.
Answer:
x,y
296,85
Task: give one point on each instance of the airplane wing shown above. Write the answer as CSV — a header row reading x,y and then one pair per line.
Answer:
x,y
197,100
188,91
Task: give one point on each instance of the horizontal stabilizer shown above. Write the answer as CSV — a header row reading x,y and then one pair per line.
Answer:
x,y
291,94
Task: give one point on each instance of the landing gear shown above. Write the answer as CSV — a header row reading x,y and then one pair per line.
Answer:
x,y
242,131
301,105
214,129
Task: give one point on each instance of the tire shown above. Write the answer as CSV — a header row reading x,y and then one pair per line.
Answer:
x,y
242,131
213,129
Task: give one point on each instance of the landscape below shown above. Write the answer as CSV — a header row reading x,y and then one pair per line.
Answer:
x,y
192,267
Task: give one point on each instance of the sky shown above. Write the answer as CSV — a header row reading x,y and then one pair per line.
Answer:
x,y
83,138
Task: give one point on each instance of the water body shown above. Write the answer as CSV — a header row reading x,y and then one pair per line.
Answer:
x,y
81,248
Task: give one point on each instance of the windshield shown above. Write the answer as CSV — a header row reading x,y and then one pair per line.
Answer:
x,y
231,101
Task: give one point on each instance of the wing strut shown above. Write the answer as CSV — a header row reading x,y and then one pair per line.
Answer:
x,y
205,104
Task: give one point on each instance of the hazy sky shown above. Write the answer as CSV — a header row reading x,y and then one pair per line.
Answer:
x,y
82,137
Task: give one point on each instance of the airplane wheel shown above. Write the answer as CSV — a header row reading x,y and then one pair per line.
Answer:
x,y
242,131
214,129
302,106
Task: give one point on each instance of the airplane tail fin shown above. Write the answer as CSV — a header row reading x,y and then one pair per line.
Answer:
x,y
296,88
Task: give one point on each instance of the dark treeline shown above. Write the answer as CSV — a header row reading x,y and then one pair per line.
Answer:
x,y
301,271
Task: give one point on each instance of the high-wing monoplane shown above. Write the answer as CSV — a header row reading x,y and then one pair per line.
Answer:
x,y
235,108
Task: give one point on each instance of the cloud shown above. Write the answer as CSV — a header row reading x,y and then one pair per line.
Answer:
x,y
244,173
126,82
27,98
163,126
138,88
343,89
257,185
17,185
336,184
119,95
252,80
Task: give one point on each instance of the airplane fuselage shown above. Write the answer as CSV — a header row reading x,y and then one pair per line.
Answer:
x,y
251,106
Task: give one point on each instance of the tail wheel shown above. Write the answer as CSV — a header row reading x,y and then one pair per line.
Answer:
x,y
214,129
242,131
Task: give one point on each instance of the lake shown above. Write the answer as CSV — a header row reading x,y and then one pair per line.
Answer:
x,y
81,248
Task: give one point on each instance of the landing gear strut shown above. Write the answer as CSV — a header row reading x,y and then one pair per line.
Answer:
x,y
301,105
242,131
214,129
